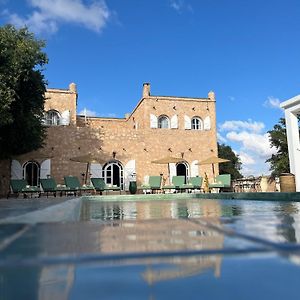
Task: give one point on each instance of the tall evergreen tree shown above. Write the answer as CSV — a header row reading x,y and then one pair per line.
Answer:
x,y
22,91
232,167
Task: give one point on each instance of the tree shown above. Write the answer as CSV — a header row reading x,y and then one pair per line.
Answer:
x,y
279,162
234,166
22,91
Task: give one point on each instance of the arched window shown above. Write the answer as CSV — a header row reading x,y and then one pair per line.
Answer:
x,y
113,174
197,123
182,169
163,122
52,118
31,172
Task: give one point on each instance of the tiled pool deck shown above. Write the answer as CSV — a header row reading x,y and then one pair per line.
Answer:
x,y
179,246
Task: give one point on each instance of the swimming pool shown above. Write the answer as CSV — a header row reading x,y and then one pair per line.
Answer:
x,y
163,249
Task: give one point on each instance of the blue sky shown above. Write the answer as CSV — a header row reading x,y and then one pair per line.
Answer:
x,y
247,52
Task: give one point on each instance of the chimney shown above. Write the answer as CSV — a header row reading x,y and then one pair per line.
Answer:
x,y
211,95
146,90
73,88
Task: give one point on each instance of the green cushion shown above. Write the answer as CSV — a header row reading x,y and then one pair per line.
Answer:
x,y
21,186
178,181
98,184
48,184
72,182
196,181
18,184
221,181
155,182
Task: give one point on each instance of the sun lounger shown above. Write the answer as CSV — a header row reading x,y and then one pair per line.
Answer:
x,y
72,182
49,186
177,184
194,183
153,185
100,186
221,182
20,186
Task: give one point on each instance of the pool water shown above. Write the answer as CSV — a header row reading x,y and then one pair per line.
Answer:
x,y
168,249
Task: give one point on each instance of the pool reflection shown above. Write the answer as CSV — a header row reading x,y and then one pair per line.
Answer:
x,y
120,228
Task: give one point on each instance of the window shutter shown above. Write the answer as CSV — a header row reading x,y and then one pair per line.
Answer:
x,y
172,167
207,123
45,169
174,122
96,170
146,179
194,168
44,119
129,170
16,170
187,122
153,121
65,118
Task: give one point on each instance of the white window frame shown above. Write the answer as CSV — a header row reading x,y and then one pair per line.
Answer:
x,y
108,172
196,123
52,118
163,118
26,164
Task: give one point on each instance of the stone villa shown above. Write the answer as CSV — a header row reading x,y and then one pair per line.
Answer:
x,y
159,126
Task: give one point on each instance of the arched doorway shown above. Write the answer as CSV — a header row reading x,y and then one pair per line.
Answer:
x,y
31,172
113,174
182,170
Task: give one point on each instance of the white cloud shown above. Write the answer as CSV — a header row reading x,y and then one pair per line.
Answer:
x,y
220,138
256,143
252,144
242,125
108,115
48,14
246,159
92,113
88,113
272,102
180,5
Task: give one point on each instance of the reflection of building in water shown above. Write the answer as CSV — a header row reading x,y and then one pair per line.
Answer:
x,y
184,267
55,282
145,210
172,231
166,234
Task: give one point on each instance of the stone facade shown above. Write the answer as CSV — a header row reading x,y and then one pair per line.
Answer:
x,y
129,143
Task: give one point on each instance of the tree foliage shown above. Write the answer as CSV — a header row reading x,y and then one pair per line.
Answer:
x,y
279,162
22,91
234,166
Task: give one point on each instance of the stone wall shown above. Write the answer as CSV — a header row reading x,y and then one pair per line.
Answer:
x,y
4,177
130,138
62,100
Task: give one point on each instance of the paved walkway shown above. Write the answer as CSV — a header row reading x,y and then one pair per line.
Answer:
x,y
12,207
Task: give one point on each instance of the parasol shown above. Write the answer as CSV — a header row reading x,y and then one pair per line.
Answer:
x,y
213,160
167,160
33,155
88,158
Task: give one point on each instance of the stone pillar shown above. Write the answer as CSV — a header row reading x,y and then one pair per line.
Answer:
x,y
73,87
211,95
292,110
146,90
